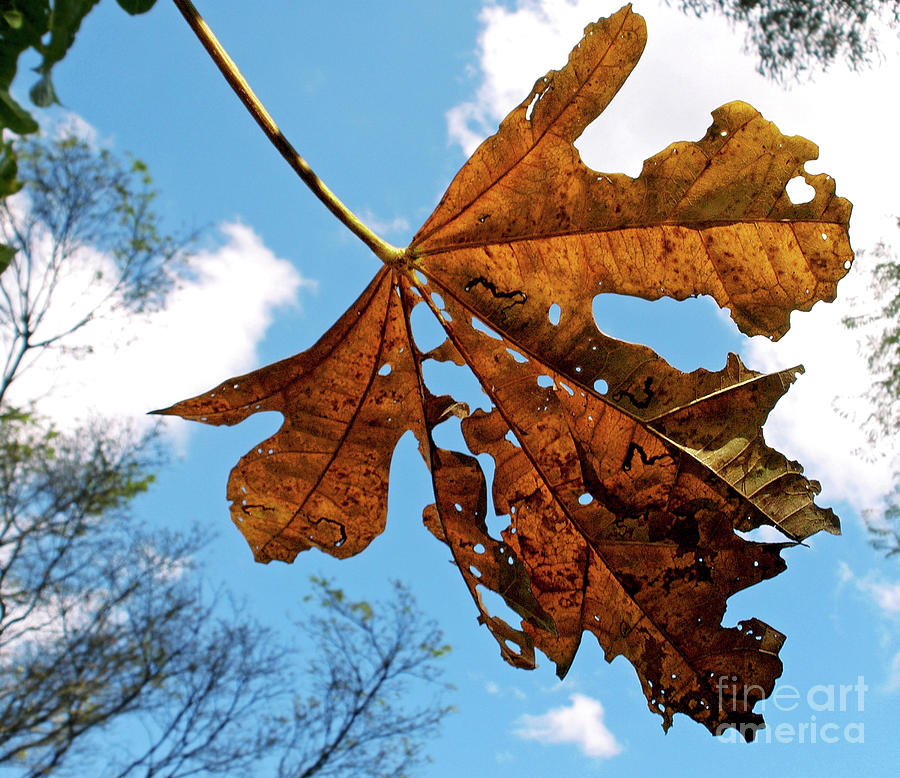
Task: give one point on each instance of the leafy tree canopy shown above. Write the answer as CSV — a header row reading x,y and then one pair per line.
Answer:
x,y
47,27
794,36
107,626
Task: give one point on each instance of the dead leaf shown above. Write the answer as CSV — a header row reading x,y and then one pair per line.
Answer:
x,y
625,480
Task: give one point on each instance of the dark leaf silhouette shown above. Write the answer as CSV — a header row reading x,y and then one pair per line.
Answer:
x,y
625,480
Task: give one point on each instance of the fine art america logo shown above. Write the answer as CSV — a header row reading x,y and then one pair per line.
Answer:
x,y
824,713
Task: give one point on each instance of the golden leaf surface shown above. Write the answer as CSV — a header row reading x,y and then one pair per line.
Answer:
x,y
625,480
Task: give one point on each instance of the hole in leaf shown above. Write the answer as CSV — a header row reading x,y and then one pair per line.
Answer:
x,y
478,548
385,369
585,499
496,524
517,356
449,378
475,571
764,534
688,333
448,433
427,331
554,314
482,327
545,381
496,606
437,300
798,191
511,437
420,277
531,106
600,386
458,507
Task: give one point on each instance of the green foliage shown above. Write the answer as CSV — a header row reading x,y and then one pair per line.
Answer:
x,y
884,348
136,6
884,394
105,626
103,623
101,620
49,28
6,255
792,36
78,196
356,719
88,196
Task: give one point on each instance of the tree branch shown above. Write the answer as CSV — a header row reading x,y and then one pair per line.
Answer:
x,y
390,255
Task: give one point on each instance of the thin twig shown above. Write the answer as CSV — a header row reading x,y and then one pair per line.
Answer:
x,y
390,255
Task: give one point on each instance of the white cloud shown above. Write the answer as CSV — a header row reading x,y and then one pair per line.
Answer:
x,y
669,97
383,227
209,330
515,47
121,365
893,682
581,723
884,594
845,574
491,687
822,421
68,125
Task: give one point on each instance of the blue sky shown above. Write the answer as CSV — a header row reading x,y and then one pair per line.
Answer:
x,y
385,100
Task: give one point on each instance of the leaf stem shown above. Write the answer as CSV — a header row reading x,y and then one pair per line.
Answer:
x,y
387,253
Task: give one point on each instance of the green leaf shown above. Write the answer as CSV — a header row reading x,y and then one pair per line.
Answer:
x,y
14,18
6,255
42,94
64,23
136,6
14,117
9,183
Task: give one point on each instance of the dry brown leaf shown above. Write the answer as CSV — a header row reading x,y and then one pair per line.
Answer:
x,y
624,479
